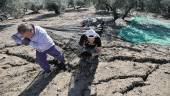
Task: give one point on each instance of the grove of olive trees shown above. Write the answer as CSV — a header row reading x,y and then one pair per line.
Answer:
x,y
118,8
121,8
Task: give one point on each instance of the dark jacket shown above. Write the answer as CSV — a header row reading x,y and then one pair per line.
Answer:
x,y
84,41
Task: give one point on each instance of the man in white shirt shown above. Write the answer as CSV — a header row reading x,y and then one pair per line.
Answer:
x,y
37,37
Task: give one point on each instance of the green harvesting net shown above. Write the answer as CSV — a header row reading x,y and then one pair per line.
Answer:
x,y
146,30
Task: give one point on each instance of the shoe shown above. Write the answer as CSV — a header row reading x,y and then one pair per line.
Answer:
x,y
55,62
62,66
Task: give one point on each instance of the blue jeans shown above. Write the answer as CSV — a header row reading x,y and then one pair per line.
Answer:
x,y
41,57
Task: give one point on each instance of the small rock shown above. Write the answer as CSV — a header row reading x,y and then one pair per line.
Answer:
x,y
117,94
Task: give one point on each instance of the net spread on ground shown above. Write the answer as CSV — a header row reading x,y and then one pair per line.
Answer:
x,y
146,30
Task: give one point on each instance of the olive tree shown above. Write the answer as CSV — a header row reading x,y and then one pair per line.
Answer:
x,y
119,8
56,5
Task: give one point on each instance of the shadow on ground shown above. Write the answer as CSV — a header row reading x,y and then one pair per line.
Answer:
x,y
82,78
76,10
38,84
103,12
3,26
66,28
44,16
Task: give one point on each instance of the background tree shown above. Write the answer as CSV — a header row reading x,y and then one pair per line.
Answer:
x,y
118,8
121,8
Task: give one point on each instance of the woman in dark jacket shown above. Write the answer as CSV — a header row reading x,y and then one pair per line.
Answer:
x,y
91,42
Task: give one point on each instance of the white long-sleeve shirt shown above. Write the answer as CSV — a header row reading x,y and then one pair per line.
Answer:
x,y
91,32
41,41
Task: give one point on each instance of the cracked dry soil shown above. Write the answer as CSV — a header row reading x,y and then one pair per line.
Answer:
x,y
122,69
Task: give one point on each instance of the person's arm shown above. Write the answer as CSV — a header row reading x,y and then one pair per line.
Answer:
x,y
82,40
20,40
34,44
17,38
26,41
98,43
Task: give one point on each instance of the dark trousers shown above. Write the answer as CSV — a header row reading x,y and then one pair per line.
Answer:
x,y
41,57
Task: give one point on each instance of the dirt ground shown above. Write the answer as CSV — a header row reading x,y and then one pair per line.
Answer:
x,y
122,69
